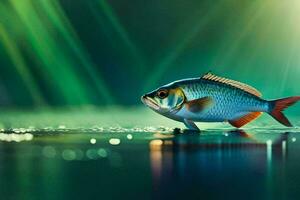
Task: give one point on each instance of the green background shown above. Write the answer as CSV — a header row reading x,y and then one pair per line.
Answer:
x,y
71,76
110,52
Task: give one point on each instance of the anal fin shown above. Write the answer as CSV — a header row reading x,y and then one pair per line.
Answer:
x,y
244,120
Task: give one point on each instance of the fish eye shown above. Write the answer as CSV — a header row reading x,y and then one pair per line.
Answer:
x,y
162,94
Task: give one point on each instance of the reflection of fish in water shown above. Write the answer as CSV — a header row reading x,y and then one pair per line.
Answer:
x,y
214,99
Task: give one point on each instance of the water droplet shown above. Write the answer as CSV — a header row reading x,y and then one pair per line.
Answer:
x,y
93,141
114,141
68,154
92,154
49,151
102,152
129,136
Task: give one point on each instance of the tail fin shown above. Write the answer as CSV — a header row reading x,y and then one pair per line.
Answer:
x,y
277,106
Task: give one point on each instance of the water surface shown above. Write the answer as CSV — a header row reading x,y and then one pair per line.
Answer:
x,y
153,162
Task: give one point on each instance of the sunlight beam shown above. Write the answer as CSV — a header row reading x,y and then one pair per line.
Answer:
x,y
164,65
123,34
56,14
22,69
58,66
231,47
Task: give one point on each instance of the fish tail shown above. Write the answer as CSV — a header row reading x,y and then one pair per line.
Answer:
x,y
277,106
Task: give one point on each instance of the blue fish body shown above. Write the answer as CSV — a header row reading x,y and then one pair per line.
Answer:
x,y
214,99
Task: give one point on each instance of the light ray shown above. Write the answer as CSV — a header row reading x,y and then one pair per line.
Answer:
x,y
292,53
230,48
115,22
167,61
57,67
22,69
288,66
56,14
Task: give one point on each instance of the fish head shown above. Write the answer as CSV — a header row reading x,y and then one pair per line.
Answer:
x,y
164,99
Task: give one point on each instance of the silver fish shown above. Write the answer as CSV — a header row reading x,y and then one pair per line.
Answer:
x,y
211,98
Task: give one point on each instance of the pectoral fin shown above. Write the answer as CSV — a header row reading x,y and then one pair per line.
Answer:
x,y
198,105
191,125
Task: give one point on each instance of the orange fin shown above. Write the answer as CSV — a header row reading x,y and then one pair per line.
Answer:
x,y
242,86
244,120
198,105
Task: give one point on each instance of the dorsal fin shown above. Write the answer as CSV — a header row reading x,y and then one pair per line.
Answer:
x,y
245,119
242,86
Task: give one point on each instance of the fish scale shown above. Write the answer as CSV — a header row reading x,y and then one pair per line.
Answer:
x,y
229,102
214,99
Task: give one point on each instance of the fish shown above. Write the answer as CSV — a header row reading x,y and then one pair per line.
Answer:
x,y
211,98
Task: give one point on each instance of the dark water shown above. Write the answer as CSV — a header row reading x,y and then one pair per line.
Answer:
x,y
97,164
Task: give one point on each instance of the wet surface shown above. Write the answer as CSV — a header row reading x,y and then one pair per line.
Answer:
x,y
149,163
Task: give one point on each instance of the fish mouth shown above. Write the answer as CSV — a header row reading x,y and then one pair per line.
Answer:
x,y
149,102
